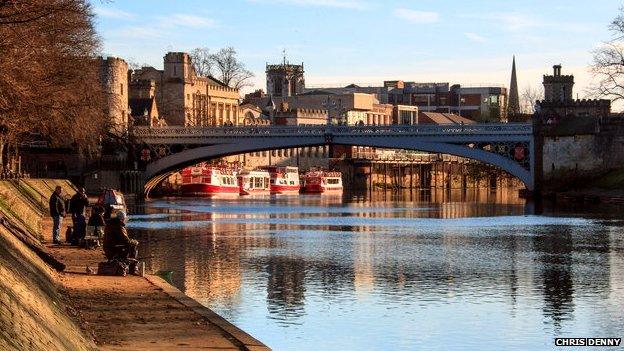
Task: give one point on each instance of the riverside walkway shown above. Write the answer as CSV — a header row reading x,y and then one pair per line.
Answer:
x,y
137,313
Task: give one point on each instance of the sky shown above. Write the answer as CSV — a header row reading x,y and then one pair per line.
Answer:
x,y
367,41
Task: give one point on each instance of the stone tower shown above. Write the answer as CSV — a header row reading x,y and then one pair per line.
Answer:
x,y
284,80
513,105
177,88
113,74
178,66
558,87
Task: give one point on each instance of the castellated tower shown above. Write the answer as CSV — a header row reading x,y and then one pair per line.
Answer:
x,y
284,80
558,87
178,67
113,74
178,79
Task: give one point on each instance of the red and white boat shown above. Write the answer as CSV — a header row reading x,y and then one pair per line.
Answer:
x,y
316,181
204,180
284,180
254,182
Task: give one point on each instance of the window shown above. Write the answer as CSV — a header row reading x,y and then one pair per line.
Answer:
x,y
121,85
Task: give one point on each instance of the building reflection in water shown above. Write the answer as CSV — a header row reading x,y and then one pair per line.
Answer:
x,y
226,263
285,287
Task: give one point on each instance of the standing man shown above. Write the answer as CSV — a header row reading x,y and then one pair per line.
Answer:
x,y
77,206
57,211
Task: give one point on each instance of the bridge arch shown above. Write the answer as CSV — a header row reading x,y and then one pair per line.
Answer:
x,y
158,170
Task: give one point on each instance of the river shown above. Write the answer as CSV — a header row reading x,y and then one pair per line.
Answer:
x,y
438,270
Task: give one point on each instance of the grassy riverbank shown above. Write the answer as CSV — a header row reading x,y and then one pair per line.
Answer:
x,y
48,309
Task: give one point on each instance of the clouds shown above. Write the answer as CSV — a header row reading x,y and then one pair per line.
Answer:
x,y
346,4
109,12
416,16
523,22
474,37
186,20
155,27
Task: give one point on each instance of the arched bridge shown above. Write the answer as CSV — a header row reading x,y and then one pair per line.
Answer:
x,y
164,150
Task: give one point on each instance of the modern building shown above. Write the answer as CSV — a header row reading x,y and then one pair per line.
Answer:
x,y
486,103
479,103
405,114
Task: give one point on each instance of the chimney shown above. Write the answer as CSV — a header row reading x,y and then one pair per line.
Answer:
x,y
557,70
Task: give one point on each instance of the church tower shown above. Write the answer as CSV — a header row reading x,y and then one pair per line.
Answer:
x,y
284,80
513,106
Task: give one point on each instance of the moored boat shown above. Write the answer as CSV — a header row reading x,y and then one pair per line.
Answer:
x,y
284,180
254,182
208,181
318,181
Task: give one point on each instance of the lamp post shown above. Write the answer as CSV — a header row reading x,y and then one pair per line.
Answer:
x,y
459,102
330,105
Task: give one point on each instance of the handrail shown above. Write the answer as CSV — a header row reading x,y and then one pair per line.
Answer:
x,y
336,130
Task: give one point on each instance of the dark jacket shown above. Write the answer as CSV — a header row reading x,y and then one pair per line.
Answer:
x,y
96,219
115,233
78,203
57,206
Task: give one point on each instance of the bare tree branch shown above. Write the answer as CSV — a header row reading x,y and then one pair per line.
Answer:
x,y
202,62
528,97
608,66
230,70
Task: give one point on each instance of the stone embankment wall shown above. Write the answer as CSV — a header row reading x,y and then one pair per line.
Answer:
x,y
33,315
569,160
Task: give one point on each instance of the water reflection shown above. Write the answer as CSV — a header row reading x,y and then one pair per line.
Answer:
x,y
315,272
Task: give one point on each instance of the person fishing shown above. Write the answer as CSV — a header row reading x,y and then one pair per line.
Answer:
x,y
117,243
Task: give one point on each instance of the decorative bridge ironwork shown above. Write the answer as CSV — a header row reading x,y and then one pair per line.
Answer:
x,y
163,150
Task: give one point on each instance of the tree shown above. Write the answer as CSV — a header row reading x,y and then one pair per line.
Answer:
x,y
608,65
528,97
230,70
49,81
202,62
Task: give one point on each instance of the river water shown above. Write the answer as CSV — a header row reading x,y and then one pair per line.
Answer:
x,y
469,270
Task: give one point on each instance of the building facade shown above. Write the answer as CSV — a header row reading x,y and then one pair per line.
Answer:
x,y
185,99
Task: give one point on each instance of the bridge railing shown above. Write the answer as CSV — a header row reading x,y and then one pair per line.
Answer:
x,y
252,131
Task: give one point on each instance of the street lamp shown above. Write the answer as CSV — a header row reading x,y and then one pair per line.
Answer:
x,y
459,102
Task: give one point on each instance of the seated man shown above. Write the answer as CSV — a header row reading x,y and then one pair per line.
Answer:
x,y
117,244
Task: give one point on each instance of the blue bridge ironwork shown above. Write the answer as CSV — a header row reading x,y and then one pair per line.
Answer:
x,y
164,150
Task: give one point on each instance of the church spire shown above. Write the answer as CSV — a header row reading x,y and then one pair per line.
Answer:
x,y
513,105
